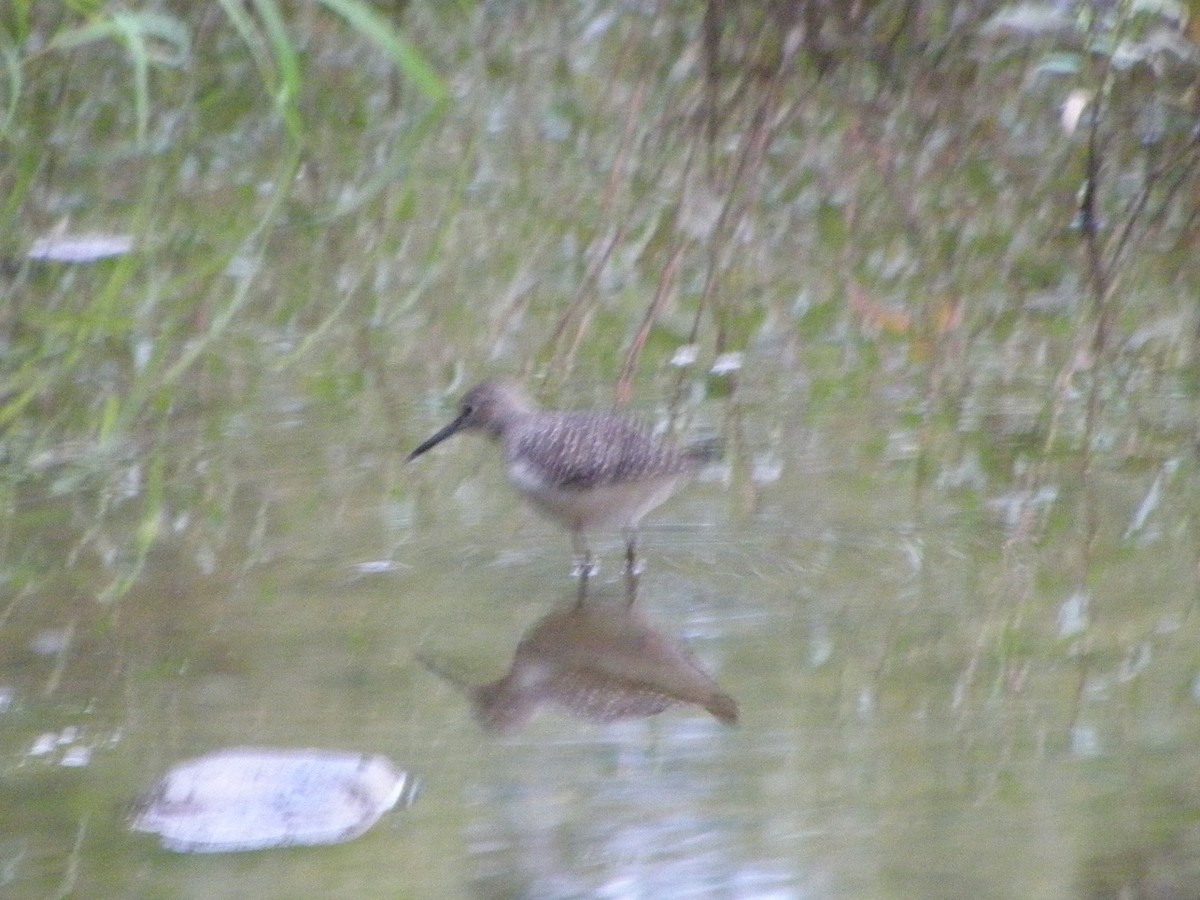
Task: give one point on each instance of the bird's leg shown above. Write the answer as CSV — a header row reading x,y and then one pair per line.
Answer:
x,y
583,568
631,587
633,566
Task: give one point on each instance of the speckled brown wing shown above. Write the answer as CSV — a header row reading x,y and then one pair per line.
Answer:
x,y
587,450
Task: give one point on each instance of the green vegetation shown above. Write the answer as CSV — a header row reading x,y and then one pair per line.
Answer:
x,y
995,200
928,267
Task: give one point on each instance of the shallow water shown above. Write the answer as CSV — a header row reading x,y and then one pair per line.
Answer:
x,y
927,707
946,567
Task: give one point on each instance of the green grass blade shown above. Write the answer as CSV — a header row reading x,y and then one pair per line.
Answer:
x,y
279,69
129,29
287,62
244,25
148,38
12,67
375,28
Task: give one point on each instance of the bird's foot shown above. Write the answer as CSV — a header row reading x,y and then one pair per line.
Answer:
x,y
584,567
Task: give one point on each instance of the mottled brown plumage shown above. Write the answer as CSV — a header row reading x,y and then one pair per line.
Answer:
x,y
600,661
584,470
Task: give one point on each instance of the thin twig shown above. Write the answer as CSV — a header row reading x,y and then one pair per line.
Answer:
x,y
666,283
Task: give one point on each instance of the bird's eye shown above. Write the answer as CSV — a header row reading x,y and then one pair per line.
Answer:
x,y
467,409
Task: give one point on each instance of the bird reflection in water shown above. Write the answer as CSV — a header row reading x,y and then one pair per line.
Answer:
x,y
598,660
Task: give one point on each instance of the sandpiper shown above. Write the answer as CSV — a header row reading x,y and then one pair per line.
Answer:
x,y
585,470
600,661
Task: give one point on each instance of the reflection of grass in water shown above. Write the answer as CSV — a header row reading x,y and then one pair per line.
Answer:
x,y
597,195
101,353
167,340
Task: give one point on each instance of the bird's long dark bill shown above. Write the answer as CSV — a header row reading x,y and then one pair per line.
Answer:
x,y
437,438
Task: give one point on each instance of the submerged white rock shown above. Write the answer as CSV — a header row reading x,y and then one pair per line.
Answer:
x,y
80,248
255,798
